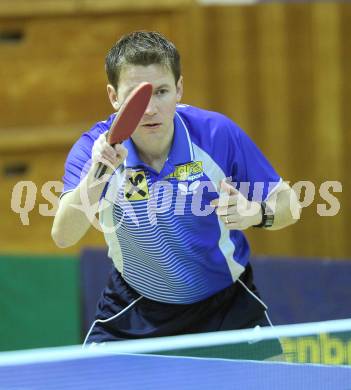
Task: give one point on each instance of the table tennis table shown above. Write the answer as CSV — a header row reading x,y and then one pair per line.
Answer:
x,y
146,372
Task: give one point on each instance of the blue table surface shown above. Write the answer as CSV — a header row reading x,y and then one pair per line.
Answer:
x,y
160,372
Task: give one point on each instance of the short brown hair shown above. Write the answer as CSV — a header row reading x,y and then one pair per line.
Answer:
x,y
141,48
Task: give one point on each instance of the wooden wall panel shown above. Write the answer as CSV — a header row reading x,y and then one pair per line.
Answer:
x,y
24,8
56,75
345,93
281,71
327,129
40,165
53,88
192,37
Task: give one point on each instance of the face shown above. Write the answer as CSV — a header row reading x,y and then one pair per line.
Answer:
x,y
156,126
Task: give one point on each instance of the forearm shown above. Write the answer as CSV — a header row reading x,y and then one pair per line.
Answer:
x,y
76,211
286,207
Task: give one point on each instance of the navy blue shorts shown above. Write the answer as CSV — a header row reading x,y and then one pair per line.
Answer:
x,y
230,309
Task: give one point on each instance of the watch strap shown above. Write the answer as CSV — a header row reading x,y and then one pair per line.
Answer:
x,y
267,216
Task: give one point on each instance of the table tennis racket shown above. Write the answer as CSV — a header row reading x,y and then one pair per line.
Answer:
x,y
127,118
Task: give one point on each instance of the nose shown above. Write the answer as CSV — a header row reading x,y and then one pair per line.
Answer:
x,y
151,108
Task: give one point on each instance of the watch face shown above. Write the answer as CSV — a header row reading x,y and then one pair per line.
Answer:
x,y
267,216
269,220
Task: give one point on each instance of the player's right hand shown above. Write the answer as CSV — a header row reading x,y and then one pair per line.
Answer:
x,y
103,152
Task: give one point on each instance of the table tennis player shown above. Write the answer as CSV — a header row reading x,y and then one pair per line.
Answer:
x,y
174,204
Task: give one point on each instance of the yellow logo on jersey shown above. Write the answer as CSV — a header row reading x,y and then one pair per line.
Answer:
x,y
190,171
136,187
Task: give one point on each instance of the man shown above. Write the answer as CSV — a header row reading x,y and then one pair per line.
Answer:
x,y
179,193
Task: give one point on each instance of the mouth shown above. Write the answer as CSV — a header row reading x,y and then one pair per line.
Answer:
x,y
151,125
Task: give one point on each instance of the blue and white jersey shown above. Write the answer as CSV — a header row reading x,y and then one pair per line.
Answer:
x,y
163,235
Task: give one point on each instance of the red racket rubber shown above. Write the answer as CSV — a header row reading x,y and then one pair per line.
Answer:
x,y
127,118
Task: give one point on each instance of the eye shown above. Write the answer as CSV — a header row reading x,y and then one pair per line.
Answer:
x,y
161,91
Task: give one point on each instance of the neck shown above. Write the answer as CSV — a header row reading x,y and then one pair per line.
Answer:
x,y
155,152
154,159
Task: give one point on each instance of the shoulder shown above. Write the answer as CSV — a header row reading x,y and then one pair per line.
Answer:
x,y
82,147
79,158
205,121
206,126
91,135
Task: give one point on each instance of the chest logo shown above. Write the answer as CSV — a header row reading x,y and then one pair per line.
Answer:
x,y
136,187
187,172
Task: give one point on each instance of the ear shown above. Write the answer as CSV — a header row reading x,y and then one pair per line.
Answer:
x,y
112,95
179,87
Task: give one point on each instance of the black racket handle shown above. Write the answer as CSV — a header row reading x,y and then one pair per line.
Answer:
x,y
100,170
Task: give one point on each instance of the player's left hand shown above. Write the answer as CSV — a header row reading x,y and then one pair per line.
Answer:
x,y
235,211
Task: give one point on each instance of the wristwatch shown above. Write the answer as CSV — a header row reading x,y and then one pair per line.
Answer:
x,y
267,216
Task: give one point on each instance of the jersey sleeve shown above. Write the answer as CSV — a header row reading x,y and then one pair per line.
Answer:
x,y
255,177
78,163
